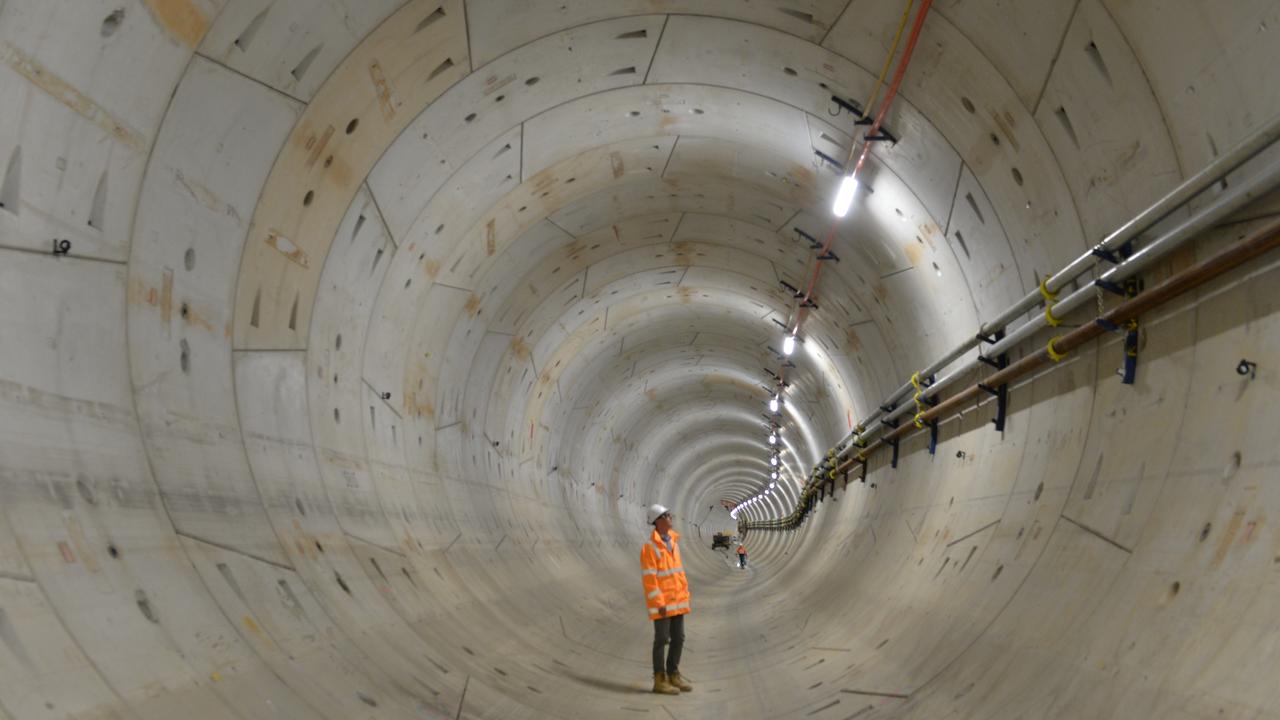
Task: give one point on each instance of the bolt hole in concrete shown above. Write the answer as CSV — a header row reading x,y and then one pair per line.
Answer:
x,y
86,492
1204,532
1174,588
337,418
968,104
341,583
1017,176
328,161
306,199
532,81
790,71
634,113
144,606
113,551
184,355
189,259
470,117
351,126
1039,490
337,342
302,509
112,22
995,140
185,310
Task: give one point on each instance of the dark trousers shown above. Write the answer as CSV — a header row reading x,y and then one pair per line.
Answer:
x,y
669,629
742,561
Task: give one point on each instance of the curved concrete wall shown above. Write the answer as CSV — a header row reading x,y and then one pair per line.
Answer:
x,y
382,322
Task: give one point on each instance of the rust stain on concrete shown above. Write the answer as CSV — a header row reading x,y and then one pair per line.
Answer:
x,y
387,101
431,268
317,145
251,626
81,544
915,253
520,348
206,197
490,238
1228,536
1005,122
166,300
852,341
62,91
615,161
182,19
286,247
473,305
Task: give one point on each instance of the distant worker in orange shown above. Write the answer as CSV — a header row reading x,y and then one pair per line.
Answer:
x,y
666,593
742,555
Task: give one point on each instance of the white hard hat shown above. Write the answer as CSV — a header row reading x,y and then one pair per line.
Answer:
x,y
656,511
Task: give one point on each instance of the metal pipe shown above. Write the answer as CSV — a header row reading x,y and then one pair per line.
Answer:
x,y
1232,159
1229,202
1257,244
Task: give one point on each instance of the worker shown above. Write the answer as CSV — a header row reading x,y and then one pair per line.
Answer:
x,y
666,593
742,555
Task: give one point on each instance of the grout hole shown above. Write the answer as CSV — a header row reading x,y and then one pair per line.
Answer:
x,y
351,126
968,104
112,22
532,81
1017,176
470,117
184,355
790,71
306,199
189,259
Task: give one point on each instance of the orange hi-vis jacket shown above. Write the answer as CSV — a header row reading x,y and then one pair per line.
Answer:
x,y
742,550
665,585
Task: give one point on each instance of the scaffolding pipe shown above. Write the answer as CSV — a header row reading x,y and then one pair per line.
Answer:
x,y
1257,244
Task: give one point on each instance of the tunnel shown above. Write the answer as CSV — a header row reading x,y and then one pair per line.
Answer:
x,y
345,344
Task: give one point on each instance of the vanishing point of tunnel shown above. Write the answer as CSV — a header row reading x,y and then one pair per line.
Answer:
x,y
347,345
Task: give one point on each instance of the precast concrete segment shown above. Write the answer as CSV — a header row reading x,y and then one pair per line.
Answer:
x,y
382,322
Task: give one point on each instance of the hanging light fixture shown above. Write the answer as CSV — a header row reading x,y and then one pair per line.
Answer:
x,y
844,196
773,404
789,344
773,461
773,438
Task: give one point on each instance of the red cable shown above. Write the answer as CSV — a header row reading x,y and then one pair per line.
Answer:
x,y
890,94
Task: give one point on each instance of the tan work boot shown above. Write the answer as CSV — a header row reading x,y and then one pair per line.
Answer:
x,y
661,686
675,679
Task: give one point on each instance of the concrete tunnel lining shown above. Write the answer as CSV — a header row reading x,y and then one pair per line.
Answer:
x,y
280,212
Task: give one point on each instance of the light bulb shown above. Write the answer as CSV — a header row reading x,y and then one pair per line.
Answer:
x,y
774,461
844,196
773,404
773,485
773,476
773,439
789,344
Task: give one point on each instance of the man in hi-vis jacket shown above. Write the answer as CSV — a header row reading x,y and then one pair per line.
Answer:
x,y
666,593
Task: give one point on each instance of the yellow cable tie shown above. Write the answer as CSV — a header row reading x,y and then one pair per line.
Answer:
x,y
915,380
1049,317
1049,297
1054,355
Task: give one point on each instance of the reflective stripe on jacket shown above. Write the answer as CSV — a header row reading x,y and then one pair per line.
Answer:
x,y
662,571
